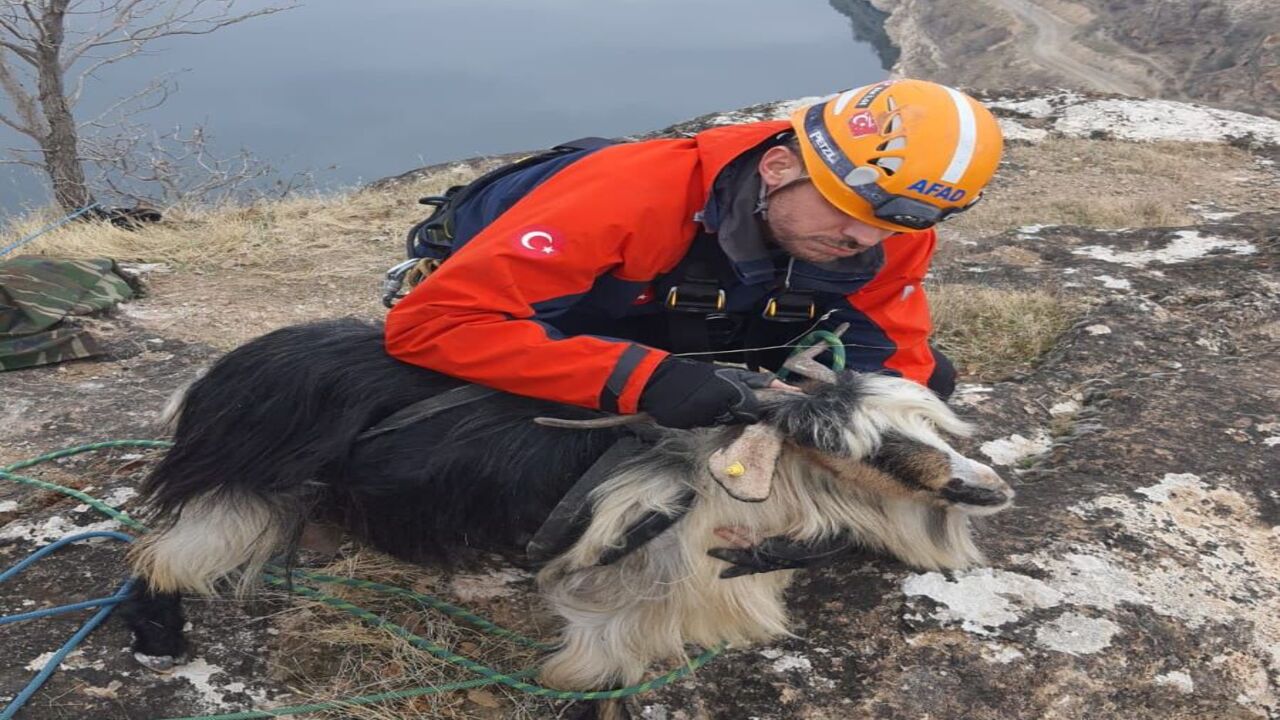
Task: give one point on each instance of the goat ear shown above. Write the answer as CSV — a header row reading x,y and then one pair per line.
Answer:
x,y
745,467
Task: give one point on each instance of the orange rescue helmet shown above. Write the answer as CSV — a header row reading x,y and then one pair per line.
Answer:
x,y
900,154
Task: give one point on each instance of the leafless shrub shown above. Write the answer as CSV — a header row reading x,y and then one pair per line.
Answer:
x,y
47,61
140,165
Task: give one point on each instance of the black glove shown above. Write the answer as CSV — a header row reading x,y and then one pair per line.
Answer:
x,y
778,553
687,393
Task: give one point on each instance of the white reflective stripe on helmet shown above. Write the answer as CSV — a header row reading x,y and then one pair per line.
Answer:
x,y
844,100
965,144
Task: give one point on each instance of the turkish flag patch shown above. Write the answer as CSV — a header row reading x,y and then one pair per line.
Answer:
x,y
538,241
862,123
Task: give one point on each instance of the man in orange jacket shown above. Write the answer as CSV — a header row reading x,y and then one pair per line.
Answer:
x,y
583,278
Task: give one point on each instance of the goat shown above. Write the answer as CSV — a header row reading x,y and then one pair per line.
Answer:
x,y
270,438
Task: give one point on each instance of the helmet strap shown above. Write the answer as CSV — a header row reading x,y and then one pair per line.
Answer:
x,y
762,205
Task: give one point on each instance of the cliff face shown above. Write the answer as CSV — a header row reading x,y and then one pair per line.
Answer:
x,y
1223,52
1137,577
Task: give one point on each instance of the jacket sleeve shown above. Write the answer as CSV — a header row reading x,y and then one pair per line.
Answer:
x,y
477,317
889,316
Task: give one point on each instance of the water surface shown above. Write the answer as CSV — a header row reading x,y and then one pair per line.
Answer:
x,y
363,90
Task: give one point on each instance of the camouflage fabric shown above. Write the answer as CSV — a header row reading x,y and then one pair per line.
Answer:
x,y
36,294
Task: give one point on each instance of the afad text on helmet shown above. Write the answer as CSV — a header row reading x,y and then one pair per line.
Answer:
x,y
938,190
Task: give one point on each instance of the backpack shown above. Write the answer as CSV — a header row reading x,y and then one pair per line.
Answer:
x,y
458,214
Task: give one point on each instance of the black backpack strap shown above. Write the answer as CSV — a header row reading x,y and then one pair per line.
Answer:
x,y
434,236
424,409
586,143
572,515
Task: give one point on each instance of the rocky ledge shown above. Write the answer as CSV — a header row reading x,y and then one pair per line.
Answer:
x,y
1138,576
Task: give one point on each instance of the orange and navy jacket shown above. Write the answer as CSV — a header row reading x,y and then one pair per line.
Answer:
x,y
599,235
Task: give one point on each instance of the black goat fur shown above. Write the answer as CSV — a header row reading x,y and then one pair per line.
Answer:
x,y
279,417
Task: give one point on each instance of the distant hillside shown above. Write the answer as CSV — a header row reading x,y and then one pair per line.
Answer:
x,y
1222,52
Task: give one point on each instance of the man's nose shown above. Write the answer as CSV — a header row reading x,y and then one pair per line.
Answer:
x,y
865,235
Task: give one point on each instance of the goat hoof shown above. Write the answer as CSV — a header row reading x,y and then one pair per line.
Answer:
x,y
159,663
962,493
600,710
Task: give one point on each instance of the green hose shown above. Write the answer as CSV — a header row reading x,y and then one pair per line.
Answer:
x,y
272,576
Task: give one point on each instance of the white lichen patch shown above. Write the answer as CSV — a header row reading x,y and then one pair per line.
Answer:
x,y
1218,216
1069,407
1000,654
1153,120
1076,634
493,584
1176,679
790,662
1014,130
655,712
981,600
1271,441
1217,564
1098,330
1185,245
211,694
50,529
1038,107
971,394
8,505
1203,561
1015,448
1113,283
119,496
1170,484
75,660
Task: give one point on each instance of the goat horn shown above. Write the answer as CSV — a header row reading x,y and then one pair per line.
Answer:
x,y
594,423
805,362
620,420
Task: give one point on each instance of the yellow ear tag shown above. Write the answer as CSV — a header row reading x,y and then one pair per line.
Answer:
x,y
735,470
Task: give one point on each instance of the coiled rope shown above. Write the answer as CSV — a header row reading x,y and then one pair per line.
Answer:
x,y
273,576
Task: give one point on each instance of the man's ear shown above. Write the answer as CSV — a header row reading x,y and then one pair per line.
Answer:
x,y
779,166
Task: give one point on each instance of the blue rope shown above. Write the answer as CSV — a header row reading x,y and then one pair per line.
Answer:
x,y
45,229
60,610
108,604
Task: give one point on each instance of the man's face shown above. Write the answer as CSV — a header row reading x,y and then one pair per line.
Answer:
x,y
802,222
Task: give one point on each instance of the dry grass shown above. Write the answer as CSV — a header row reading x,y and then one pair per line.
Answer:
x,y
991,333
327,654
305,236
1109,185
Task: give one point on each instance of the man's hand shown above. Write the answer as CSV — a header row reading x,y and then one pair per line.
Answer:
x,y
774,553
687,394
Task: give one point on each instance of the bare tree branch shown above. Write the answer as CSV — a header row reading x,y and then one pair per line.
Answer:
x,y
73,97
23,102
177,22
181,164
20,51
159,89
64,56
11,27
34,164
